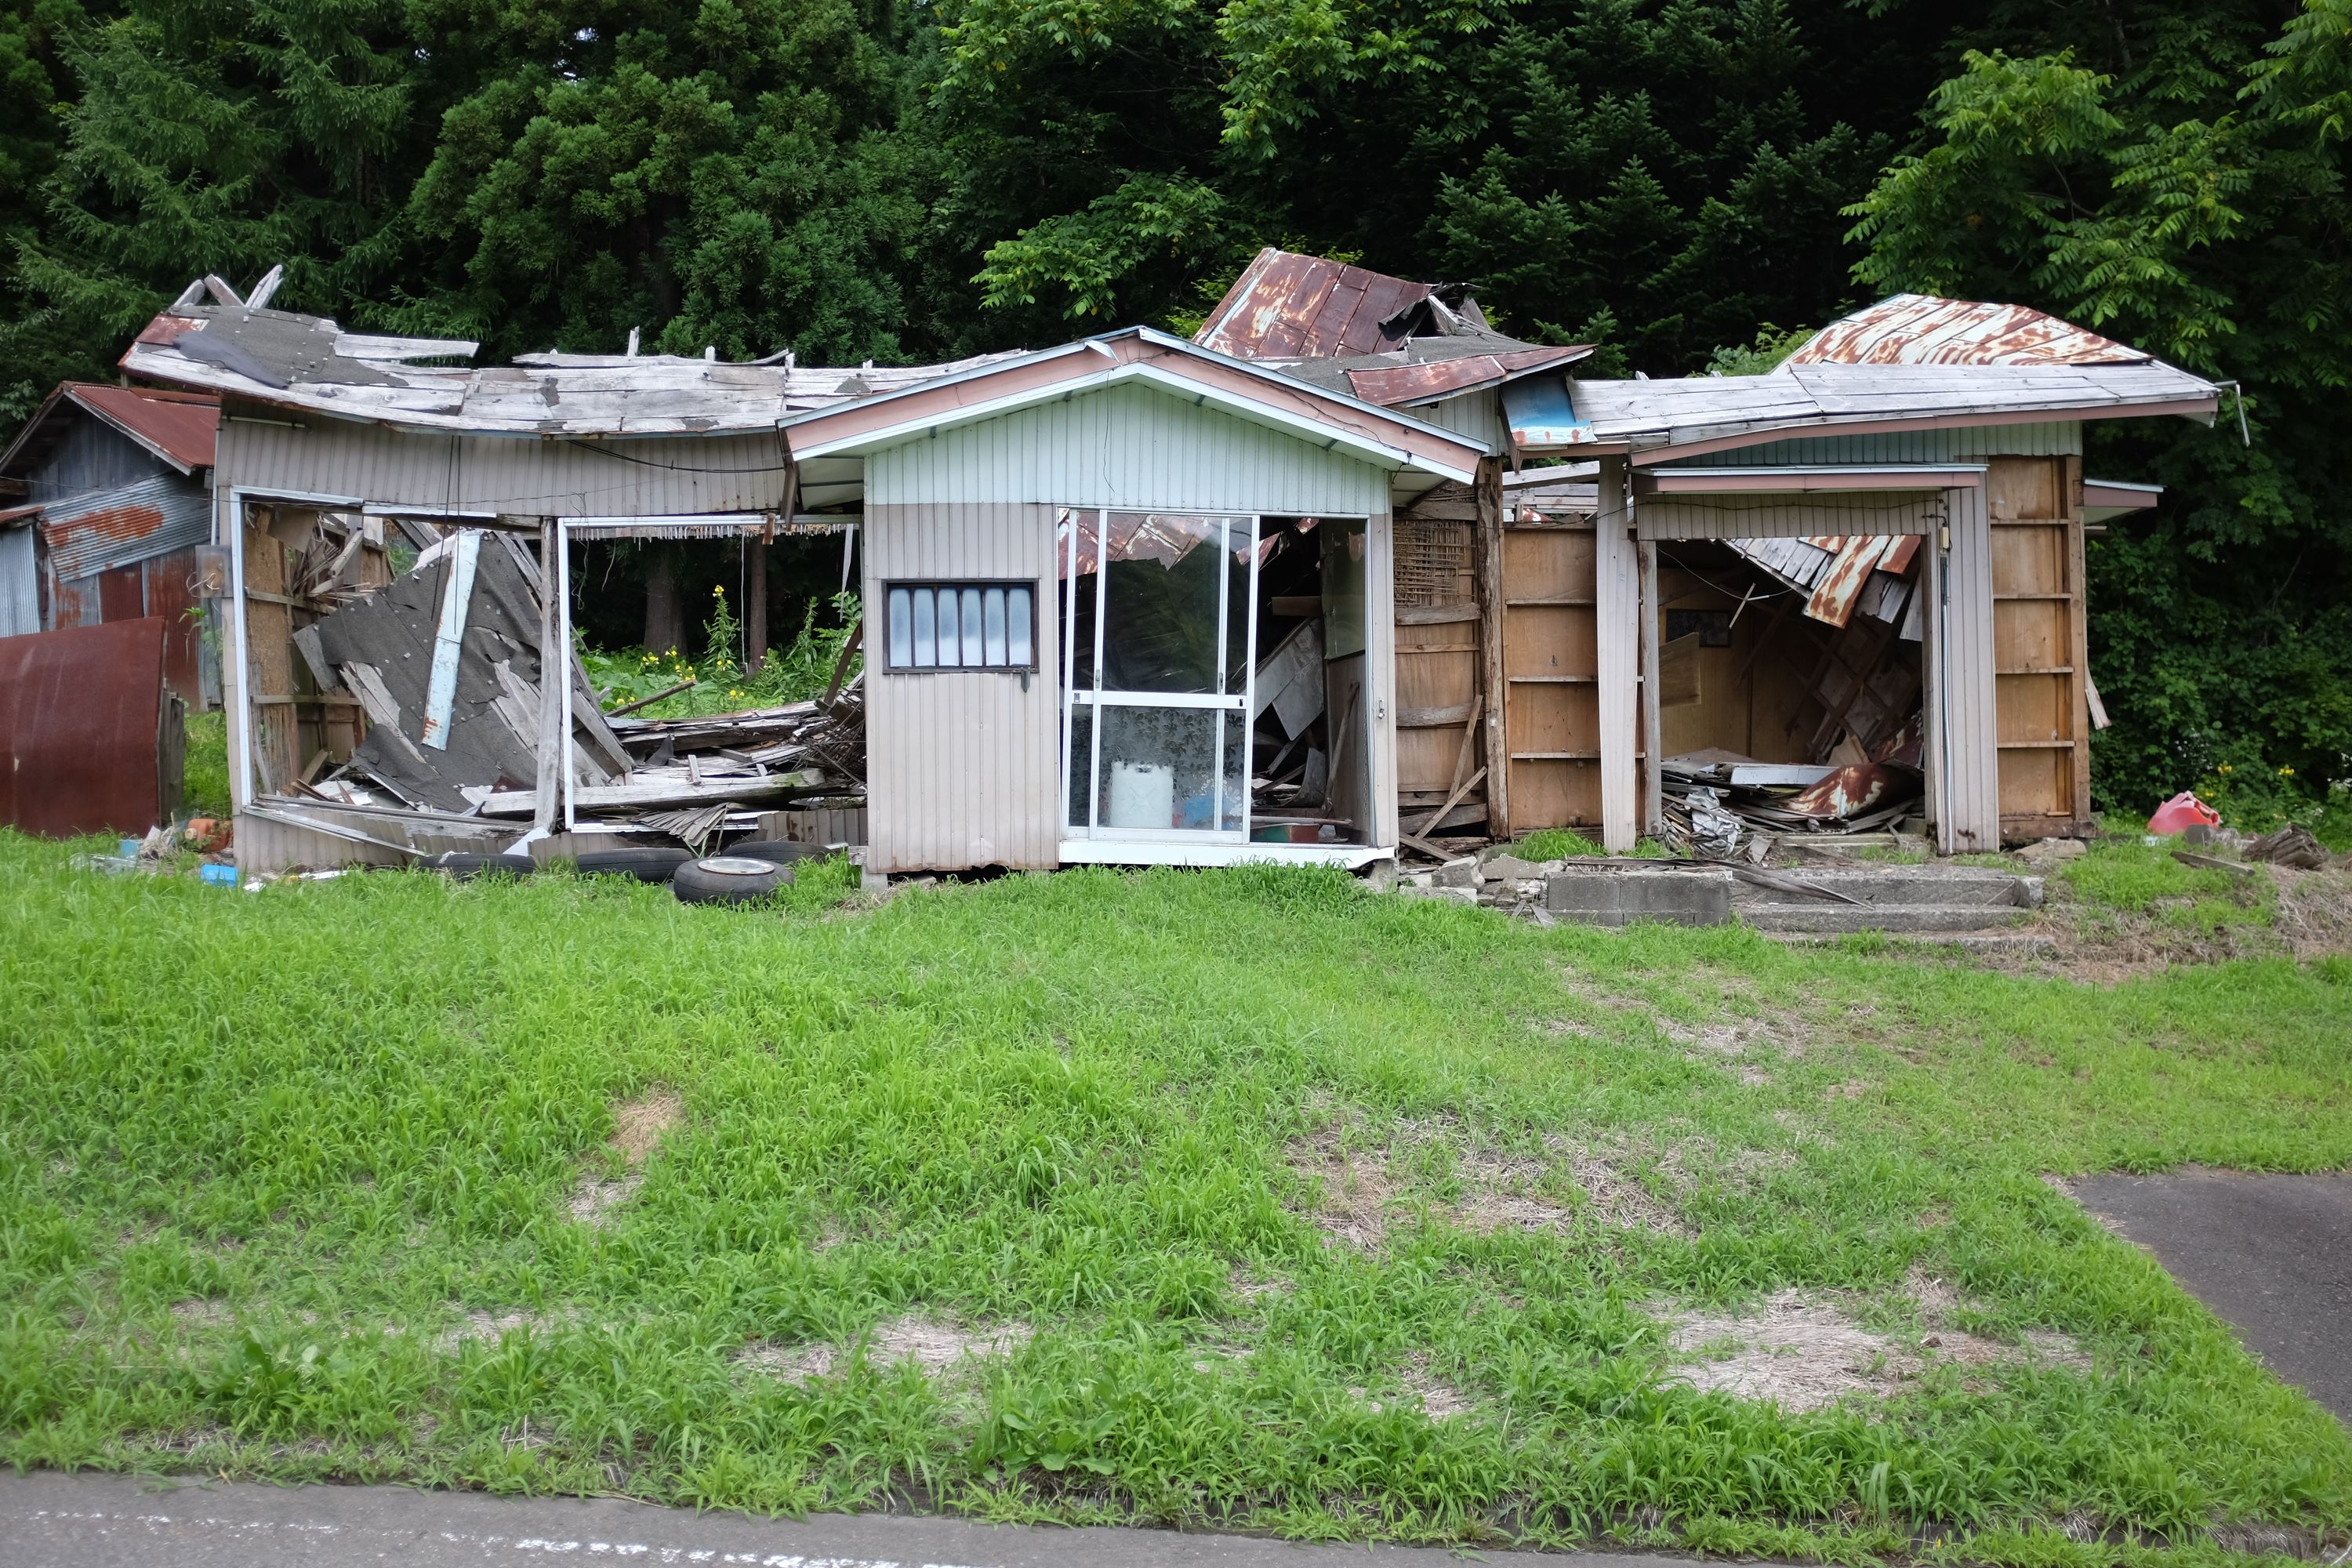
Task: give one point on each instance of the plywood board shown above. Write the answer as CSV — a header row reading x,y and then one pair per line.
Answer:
x,y
2024,487
1547,563
1551,639
1558,795
2036,782
1552,717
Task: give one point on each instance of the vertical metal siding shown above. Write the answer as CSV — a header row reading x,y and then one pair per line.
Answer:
x,y
1128,447
1969,816
2054,439
1617,617
1477,415
963,767
1794,516
92,456
1379,666
20,590
649,477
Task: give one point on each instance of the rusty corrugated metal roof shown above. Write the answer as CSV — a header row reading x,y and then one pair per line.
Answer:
x,y
1285,305
1921,329
1389,385
181,425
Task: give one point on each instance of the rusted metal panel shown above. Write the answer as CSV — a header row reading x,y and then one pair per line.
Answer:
x,y
86,731
1920,329
178,426
172,598
1391,385
1850,791
1835,591
87,534
1284,305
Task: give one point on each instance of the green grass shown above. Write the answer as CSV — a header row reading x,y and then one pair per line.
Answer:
x,y
261,1154
2124,873
205,789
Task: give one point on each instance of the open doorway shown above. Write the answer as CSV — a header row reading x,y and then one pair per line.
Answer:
x,y
1790,684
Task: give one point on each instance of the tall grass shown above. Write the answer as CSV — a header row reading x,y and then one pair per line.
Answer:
x,y
261,1155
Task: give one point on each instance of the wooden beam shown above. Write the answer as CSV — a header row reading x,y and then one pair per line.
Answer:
x,y
1617,616
1486,585
1653,802
554,703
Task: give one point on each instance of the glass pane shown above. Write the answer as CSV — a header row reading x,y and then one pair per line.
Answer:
x,y
1163,578
1017,647
1343,589
902,631
1239,542
971,633
926,655
950,643
992,609
1159,768
1079,784
1081,536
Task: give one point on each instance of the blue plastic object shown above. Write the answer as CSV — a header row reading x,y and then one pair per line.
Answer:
x,y
218,876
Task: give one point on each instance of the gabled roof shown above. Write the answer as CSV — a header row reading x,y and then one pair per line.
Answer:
x,y
310,364
177,427
1288,306
1921,329
1331,418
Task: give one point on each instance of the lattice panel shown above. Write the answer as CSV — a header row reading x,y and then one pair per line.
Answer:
x,y
1432,562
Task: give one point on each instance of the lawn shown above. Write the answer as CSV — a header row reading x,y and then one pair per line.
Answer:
x,y
1233,1200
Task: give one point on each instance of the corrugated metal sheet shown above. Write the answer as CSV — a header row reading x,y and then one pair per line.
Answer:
x,y
20,587
1477,415
1967,814
81,727
1921,329
963,767
652,477
1131,446
1284,305
180,425
2052,438
1790,517
95,533
1398,386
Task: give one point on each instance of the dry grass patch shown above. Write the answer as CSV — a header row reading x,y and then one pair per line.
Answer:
x,y
1353,1188
938,1347
1439,1400
638,1126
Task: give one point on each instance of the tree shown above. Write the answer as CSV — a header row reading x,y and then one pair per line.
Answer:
x,y
2190,199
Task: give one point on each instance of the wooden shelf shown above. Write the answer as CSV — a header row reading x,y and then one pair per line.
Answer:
x,y
1553,679
2032,598
2038,670
2034,745
1539,604
1555,756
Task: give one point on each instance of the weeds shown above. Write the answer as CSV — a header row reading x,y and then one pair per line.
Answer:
x,y
1010,1198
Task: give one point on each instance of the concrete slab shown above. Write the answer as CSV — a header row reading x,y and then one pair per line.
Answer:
x,y
49,1520
1621,894
2271,1254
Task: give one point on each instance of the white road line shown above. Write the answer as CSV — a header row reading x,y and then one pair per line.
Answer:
x,y
536,1545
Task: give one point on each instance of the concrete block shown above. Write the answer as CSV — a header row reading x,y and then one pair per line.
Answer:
x,y
1462,873
1620,895
1458,895
1511,868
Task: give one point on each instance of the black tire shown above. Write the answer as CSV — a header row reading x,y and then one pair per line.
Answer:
x,y
727,879
464,865
781,851
647,863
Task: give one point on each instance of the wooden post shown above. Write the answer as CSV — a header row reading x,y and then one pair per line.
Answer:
x,y
755,603
1617,621
1654,798
554,682
1486,590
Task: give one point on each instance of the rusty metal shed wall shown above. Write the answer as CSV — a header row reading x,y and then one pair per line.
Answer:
x,y
963,767
20,587
81,724
635,477
155,514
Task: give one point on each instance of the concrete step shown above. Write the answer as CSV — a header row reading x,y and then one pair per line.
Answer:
x,y
1818,915
1928,884
1989,943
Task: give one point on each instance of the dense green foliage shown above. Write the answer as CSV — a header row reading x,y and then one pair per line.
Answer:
x,y
1684,181
1123,1111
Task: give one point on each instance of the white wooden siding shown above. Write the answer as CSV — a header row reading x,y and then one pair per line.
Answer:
x,y
1617,619
963,767
1477,415
648,477
1130,447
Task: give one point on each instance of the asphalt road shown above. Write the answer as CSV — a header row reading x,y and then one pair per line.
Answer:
x,y
49,1520
2271,1254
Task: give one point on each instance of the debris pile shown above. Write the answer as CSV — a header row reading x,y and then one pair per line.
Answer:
x,y
1715,801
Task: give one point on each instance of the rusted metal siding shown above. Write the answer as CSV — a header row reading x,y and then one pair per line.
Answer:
x,y
83,731
649,477
99,530
1922,329
963,767
1284,305
20,584
1128,447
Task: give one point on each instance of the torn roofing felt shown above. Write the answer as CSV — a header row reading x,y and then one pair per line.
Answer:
x,y
382,651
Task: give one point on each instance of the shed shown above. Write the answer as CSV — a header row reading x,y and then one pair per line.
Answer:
x,y
105,519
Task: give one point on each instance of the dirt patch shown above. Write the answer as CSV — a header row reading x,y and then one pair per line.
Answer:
x,y
1439,1400
1248,1286
2311,918
198,1314
1352,1204
788,1364
938,1347
482,1327
638,1128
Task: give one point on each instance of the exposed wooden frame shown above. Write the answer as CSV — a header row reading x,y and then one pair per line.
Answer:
x,y
1617,612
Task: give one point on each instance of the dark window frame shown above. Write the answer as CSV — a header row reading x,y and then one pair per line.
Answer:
x,y
1037,632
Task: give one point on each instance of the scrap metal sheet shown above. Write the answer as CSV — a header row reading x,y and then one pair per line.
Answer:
x,y
83,743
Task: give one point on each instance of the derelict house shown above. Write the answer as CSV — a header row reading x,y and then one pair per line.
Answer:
x,y
1351,570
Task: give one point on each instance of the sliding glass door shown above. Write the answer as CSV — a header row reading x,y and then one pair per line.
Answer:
x,y
1158,646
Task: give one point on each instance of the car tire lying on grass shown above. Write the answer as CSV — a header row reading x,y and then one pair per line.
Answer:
x,y
778,850
727,879
647,863
464,865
